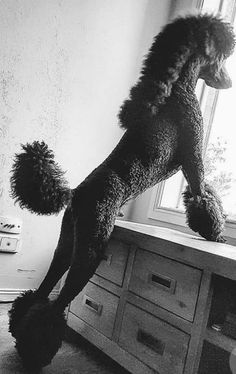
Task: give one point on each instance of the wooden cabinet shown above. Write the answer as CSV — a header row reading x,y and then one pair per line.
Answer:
x,y
155,342
170,284
113,265
97,307
155,300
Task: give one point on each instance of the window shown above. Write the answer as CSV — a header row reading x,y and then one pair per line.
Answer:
x,y
219,113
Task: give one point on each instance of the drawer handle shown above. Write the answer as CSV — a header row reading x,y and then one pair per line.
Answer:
x,y
92,304
108,259
158,280
151,342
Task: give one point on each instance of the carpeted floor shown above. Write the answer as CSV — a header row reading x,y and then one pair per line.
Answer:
x,y
76,356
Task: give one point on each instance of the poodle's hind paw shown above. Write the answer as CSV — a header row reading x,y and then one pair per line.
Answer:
x,y
205,214
19,308
40,335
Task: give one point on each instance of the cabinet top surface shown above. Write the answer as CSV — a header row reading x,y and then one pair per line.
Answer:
x,y
186,240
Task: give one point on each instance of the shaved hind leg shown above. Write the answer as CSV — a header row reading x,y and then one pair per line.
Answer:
x,y
92,230
87,255
62,256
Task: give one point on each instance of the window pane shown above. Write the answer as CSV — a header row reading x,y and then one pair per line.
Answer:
x,y
172,192
211,5
221,152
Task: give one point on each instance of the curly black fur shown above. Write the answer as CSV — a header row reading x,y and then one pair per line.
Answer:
x,y
40,335
19,308
205,213
164,134
170,51
37,182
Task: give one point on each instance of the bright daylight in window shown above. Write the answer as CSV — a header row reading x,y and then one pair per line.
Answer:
x,y
219,112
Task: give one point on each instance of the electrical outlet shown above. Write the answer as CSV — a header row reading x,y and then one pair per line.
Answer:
x,y
8,244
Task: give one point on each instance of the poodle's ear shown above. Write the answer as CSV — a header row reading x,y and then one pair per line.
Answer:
x,y
170,51
168,54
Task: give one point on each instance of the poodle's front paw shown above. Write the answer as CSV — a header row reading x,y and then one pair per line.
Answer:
x,y
205,214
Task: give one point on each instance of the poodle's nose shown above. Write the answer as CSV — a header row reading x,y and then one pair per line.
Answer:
x,y
225,79
228,83
225,83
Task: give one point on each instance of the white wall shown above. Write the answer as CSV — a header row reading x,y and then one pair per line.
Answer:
x,y
65,68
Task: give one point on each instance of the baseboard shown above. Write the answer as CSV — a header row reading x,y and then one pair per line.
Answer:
x,y
9,294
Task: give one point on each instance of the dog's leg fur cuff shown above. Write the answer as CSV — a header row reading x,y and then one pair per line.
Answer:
x,y
205,214
20,307
40,334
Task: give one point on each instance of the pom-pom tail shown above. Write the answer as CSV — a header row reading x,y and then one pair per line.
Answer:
x,y
37,182
205,214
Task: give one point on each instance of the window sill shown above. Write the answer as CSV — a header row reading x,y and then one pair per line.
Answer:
x,y
175,217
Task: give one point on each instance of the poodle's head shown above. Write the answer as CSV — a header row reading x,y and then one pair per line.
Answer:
x,y
216,42
203,39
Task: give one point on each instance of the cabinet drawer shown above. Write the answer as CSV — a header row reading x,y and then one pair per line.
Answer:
x,y
167,283
97,307
154,342
114,264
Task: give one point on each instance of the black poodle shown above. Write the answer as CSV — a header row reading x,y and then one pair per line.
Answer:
x,y
164,133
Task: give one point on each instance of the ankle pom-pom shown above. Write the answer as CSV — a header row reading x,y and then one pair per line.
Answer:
x,y
40,335
20,307
205,214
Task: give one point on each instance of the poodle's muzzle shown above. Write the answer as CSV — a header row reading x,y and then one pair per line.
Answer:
x,y
219,79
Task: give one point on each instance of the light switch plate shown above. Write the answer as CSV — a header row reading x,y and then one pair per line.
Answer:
x,y
11,225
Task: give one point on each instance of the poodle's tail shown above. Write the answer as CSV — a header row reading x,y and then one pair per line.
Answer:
x,y
37,182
